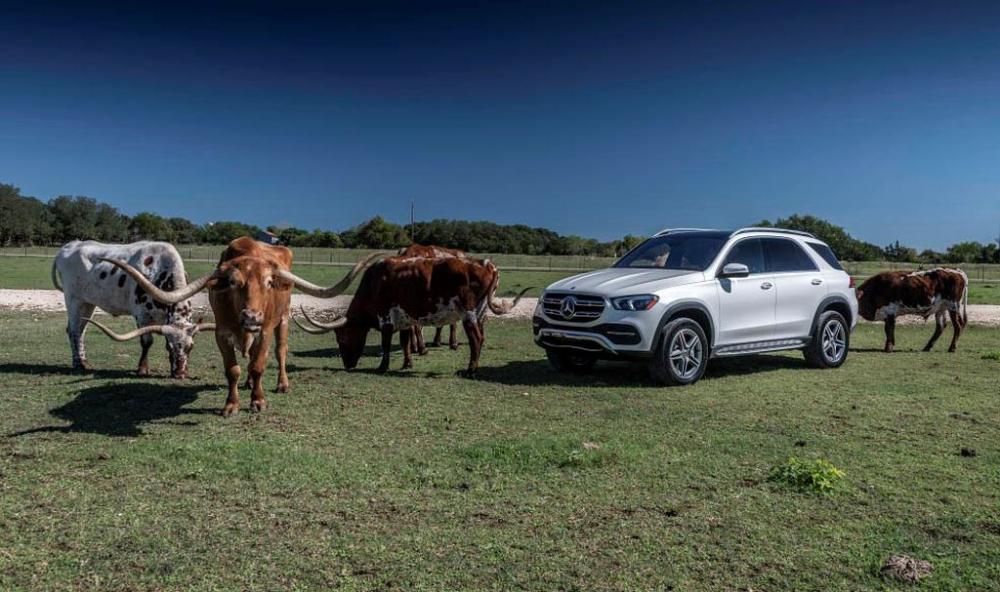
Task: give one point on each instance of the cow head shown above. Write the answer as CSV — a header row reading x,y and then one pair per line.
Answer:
x,y
867,305
179,333
351,336
248,283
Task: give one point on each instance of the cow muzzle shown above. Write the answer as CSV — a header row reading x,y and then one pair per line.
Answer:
x,y
251,320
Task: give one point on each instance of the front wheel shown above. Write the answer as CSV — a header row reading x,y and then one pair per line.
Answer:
x,y
576,362
830,341
681,356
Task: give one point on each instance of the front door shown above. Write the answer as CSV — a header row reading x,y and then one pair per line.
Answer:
x,y
746,305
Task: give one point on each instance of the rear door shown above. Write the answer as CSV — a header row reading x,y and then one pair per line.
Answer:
x,y
799,287
746,305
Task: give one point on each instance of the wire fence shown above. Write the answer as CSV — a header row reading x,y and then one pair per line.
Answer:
x,y
981,272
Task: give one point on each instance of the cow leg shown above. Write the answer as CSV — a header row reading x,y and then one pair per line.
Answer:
x,y
281,353
452,336
232,366
170,356
475,337
437,337
76,327
418,340
890,334
146,342
386,346
957,327
939,323
406,342
258,362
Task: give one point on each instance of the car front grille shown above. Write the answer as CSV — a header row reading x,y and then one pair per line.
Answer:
x,y
581,309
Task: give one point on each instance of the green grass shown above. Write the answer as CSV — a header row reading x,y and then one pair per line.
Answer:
x,y
522,479
33,273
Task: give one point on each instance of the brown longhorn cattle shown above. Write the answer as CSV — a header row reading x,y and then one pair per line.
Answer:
x,y
399,293
433,252
934,292
250,293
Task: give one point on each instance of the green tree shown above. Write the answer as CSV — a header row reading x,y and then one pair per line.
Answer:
x,y
377,233
23,220
965,252
149,226
899,253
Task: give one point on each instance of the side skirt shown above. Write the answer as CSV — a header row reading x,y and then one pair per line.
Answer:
x,y
758,347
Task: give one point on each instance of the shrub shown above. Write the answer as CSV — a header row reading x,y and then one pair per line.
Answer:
x,y
992,355
815,476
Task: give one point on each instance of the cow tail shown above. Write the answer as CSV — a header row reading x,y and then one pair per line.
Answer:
x,y
55,276
965,301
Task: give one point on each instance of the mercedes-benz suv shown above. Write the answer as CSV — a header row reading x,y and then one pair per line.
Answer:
x,y
687,295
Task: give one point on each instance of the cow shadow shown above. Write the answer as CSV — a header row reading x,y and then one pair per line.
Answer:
x,y
120,410
60,370
627,374
334,352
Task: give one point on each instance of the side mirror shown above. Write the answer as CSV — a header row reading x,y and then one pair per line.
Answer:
x,y
737,270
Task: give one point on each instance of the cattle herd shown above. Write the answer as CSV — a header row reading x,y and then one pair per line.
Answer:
x,y
250,295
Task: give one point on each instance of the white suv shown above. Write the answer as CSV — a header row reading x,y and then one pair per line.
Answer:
x,y
687,295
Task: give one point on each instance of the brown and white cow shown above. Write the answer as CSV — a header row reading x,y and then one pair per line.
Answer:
x,y
399,293
934,292
433,252
250,292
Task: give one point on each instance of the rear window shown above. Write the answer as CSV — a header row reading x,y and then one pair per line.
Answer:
x,y
827,254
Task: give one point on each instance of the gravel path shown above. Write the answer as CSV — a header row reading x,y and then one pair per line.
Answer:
x,y
52,301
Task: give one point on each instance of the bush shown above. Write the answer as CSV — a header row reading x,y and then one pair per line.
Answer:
x,y
992,355
814,476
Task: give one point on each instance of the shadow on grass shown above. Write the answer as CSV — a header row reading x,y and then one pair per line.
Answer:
x,y
121,409
44,369
334,352
627,374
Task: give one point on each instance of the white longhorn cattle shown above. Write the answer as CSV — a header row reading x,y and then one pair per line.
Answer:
x,y
88,282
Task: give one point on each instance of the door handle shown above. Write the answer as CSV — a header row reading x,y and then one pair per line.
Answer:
x,y
817,282
766,286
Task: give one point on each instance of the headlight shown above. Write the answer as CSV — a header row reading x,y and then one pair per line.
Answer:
x,y
641,302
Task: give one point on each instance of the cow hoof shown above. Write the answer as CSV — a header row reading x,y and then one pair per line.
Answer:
x,y
453,346
258,405
422,352
382,369
407,366
142,372
83,366
230,409
282,388
467,373
951,350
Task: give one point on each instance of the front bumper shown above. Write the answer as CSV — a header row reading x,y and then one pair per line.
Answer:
x,y
614,340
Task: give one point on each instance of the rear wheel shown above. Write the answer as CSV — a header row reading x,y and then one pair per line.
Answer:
x,y
570,361
682,354
831,339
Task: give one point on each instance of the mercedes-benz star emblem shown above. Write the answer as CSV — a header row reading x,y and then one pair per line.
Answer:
x,y
568,307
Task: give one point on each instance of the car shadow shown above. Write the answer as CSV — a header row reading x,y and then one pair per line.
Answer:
x,y
120,410
627,374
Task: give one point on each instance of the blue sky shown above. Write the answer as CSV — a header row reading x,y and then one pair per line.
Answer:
x,y
598,120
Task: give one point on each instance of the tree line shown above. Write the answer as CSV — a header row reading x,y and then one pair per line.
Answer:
x,y
26,221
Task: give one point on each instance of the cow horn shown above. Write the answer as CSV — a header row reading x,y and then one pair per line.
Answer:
x,y
334,290
158,294
504,306
318,327
206,326
158,329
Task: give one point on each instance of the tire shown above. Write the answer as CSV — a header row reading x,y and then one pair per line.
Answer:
x,y
831,341
572,362
680,335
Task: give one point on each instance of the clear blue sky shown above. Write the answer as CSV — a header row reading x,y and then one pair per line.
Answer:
x,y
596,120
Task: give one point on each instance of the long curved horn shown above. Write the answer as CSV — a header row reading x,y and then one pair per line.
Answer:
x,y
336,289
158,329
206,326
158,294
319,327
504,306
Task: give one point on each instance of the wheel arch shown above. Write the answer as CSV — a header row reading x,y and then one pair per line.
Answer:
x,y
692,309
834,302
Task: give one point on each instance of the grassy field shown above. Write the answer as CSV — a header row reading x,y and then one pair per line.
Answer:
x,y
421,480
33,273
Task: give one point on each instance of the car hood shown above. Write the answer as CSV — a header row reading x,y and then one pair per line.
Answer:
x,y
621,281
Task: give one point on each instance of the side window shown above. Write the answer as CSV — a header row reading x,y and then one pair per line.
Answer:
x,y
827,255
749,253
781,254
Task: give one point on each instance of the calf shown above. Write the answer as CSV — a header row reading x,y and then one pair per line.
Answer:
x,y
934,292
250,292
400,293
87,282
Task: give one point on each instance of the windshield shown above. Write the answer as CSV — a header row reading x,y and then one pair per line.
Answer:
x,y
677,251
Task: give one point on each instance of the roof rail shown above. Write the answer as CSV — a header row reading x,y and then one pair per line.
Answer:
x,y
768,229
669,230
